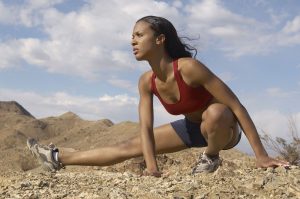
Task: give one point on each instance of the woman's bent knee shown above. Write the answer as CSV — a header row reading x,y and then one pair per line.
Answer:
x,y
218,113
217,118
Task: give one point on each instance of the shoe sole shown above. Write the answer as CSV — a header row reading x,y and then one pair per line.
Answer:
x,y
31,142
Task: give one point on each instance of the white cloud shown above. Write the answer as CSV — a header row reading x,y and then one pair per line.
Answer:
x,y
214,13
238,35
119,100
93,108
273,98
278,92
121,58
225,31
96,38
290,33
292,26
84,43
234,34
274,123
6,14
9,55
177,3
116,108
27,13
125,84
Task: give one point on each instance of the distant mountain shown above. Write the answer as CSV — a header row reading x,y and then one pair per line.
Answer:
x,y
67,130
13,107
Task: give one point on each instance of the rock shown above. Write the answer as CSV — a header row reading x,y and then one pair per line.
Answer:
x,y
43,184
25,184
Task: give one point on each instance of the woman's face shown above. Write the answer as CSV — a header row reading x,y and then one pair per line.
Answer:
x,y
143,41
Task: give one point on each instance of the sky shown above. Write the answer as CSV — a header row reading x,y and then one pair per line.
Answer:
x,y
63,55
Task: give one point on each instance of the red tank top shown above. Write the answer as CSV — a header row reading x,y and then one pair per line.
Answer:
x,y
191,98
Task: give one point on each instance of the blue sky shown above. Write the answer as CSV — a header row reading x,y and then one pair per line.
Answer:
x,y
63,55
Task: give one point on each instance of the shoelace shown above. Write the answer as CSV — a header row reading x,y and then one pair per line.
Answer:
x,y
205,160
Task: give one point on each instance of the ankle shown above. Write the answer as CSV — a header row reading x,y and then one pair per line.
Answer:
x,y
211,155
55,154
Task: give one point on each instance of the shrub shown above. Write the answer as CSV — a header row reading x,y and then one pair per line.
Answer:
x,y
289,151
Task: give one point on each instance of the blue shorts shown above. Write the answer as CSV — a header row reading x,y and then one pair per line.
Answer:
x,y
190,133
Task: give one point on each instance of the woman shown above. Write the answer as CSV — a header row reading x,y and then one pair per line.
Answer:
x,y
185,86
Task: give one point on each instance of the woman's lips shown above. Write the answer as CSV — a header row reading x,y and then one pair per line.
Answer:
x,y
135,51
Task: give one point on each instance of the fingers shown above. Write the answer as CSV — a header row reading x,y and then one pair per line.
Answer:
x,y
281,163
271,162
155,173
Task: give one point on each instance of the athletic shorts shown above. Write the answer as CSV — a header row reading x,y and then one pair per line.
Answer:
x,y
190,133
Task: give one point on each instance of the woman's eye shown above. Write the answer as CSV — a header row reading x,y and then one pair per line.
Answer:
x,y
136,35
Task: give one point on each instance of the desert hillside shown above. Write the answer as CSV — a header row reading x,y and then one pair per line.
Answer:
x,y
21,176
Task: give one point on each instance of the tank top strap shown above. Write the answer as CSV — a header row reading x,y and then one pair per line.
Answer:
x,y
175,68
153,86
177,74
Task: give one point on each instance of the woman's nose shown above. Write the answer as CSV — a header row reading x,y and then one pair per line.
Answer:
x,y
133,42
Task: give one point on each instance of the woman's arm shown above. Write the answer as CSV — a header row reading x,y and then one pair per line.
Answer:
x,y
146,122
199,74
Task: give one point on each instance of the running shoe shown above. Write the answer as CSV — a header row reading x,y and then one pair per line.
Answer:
x,y
207,164
44,154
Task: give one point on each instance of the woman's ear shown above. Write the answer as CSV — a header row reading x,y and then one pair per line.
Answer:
x,y
160,39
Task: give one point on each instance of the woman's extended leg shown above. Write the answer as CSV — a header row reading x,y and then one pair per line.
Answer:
x,y
166,141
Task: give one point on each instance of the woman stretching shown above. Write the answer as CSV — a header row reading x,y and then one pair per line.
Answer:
x,y
212,113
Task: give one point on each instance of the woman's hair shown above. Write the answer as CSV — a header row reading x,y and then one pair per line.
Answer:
x,y
173,45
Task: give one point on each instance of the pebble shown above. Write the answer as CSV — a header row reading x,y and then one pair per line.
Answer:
x,y
245,183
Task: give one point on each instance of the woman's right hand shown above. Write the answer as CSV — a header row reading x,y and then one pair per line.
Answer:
x,y
157,174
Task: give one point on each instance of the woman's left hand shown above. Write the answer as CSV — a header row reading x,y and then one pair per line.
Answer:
x,y
267,161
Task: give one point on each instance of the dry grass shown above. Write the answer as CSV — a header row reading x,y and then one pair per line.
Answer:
x,y
289,151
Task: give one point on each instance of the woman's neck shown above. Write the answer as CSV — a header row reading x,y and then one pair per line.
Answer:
x,y
162,67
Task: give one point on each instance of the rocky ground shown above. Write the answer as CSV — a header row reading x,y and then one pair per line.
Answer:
x,y
21,176
236,178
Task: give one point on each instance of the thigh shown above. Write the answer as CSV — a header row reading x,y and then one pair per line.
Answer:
x,y
167,140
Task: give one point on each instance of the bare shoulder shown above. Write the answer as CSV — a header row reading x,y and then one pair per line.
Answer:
x,y
188,64
145,81
192,70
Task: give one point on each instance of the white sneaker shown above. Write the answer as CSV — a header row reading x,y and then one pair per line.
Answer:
x,y
44,154
207,164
